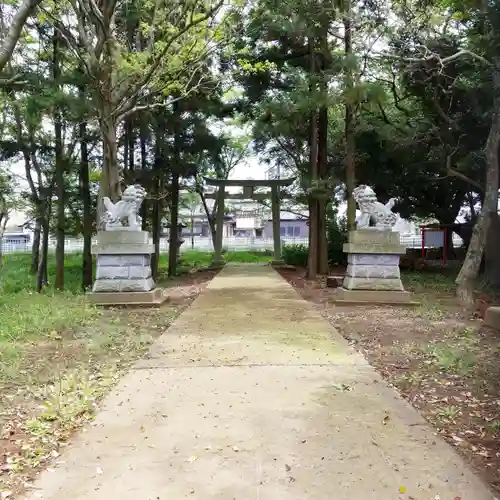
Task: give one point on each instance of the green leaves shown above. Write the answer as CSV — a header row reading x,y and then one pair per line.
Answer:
x,y
245,66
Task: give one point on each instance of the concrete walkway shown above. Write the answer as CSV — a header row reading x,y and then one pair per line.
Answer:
x,y
252,395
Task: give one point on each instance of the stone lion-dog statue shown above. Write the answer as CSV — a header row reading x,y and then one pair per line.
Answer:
x,y
374,214
125,209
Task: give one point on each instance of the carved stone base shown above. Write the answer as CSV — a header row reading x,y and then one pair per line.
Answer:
x,y
375,297
123,262
373,264
361,283
154,297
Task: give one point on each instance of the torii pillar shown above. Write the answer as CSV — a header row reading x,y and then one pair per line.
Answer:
x,y
275,210
217,259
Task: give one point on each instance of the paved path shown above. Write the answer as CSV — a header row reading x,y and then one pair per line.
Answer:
x,y
244,398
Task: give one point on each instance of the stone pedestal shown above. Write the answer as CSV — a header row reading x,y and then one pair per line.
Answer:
x,y
373,274
123,269
492,317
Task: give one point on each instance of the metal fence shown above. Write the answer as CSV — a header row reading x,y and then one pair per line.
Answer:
x,y
204,244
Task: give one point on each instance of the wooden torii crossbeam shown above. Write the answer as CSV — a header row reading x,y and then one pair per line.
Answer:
x,y
248,186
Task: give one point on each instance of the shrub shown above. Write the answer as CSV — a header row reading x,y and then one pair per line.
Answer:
x,y
295,255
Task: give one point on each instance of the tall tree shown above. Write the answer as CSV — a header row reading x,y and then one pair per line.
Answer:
x,y
59,162
124,79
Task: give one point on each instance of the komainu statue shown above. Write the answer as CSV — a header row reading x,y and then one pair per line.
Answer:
x,y
373,213
127,209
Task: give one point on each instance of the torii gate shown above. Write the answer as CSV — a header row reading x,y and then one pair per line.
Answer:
x,y
248,193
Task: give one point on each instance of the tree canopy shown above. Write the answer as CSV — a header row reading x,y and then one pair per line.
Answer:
x,y
401,96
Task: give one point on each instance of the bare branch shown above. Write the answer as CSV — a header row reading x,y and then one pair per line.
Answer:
x,y
96,14
83,38
16,27
109,10
442,61
451,172
148,107
24,146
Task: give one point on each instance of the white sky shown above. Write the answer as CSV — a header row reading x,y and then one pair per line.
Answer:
x,y
249,169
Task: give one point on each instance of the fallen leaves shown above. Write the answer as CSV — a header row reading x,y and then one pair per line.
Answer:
x,y
63,376
425,353
343,387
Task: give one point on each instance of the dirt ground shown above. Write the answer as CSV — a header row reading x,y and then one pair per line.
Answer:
x,y
442,361
63,374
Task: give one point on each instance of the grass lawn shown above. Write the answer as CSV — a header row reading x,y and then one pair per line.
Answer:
x,y
59,354
438,357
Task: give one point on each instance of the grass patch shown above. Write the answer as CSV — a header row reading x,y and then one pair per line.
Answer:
x,y
192,259
458,352
448,413
36,315
430,289
59,354
429,310
495,426
452,359
425,282
409,381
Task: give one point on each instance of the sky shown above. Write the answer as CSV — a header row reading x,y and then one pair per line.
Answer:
x,y
250,169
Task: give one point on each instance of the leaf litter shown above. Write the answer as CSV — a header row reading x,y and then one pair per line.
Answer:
x,y
63,375
441,361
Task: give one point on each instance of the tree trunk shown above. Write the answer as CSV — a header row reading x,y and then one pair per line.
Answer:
x,y
312,254
41,277
87,208
156,212
144,167
174,192
110,176
59,169
323,267
156,233
35,246
493,252
174,221
129,145
4,218
15,29
470,268
107,98
350,145
323,174
450,247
